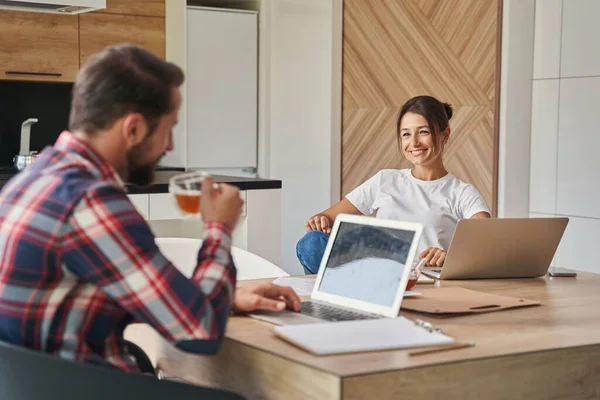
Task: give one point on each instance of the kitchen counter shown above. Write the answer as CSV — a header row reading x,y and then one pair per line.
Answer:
x,y
161,183
162,176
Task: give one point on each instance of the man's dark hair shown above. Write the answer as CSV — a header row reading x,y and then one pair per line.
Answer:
x,y
122,79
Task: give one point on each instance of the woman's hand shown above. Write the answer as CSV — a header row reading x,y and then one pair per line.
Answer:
x,y
323,221
433,256
319,222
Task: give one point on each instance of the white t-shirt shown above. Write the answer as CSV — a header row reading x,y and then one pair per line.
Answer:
x,y
438,205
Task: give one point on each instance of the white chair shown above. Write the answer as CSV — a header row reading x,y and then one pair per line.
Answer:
x,y
183,253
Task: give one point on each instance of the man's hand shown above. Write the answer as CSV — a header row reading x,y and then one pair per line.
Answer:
x,y
265,296
433,256
222,203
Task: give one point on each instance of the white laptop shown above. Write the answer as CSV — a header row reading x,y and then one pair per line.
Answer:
x,y
363,273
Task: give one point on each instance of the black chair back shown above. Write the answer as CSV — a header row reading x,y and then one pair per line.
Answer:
x,y
33,375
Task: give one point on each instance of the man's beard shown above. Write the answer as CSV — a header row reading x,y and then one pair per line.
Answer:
x,y
140,174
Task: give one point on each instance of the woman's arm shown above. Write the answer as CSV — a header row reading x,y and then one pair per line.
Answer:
x,y
482,214
324,220
361,198
435,257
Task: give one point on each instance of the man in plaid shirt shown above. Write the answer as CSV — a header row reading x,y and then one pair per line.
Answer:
x,y
78,263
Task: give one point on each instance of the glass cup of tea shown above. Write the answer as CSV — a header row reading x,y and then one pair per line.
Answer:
x,y
186,189
415,272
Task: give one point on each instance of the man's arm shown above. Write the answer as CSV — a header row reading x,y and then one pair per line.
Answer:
x,y
108,243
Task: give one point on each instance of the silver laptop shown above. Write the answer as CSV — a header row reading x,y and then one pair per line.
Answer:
x,y
490,248
363,273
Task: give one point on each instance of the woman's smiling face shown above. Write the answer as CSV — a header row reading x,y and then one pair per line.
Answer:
x,y
419,144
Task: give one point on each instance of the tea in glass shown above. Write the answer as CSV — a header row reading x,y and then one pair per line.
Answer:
x,y
186,190
415,272
189,203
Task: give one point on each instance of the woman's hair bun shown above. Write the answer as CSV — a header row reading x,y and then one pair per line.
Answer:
x,y
448,109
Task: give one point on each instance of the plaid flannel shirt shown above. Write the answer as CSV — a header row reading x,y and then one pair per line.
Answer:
x,y
78,263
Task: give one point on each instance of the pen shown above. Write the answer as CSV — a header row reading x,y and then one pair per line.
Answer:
x,y
452,346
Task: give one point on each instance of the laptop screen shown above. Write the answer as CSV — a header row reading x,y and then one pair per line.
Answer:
x,y
366,263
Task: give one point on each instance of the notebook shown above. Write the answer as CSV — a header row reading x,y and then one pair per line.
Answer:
x,y
359,336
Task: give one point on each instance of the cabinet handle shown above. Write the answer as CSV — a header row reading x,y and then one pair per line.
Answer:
x,y
32,73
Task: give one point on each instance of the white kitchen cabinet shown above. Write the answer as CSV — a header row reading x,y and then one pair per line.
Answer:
x,y
162,206
221,88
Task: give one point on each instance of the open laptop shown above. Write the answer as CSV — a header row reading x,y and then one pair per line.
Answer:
x,y
489,248
363,273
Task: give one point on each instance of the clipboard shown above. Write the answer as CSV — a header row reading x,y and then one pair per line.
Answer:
x,y
456,301
331,338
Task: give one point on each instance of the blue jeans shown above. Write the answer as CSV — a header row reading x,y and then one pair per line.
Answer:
x,y
310,250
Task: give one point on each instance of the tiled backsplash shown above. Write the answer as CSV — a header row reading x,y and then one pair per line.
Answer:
x,y
48,102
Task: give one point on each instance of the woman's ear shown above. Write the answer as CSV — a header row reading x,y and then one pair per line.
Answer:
x,y
446,136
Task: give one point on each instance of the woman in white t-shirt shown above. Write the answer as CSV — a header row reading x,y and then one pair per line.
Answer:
x,y
425,193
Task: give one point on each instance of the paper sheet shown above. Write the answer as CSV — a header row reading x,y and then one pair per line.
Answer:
x,y
303,286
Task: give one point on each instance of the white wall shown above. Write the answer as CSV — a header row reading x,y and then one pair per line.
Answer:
x,y
565,139
300,109
515,106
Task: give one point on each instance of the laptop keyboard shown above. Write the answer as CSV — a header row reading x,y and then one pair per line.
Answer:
x,y
330,313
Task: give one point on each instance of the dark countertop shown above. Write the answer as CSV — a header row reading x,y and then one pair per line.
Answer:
x,y
161,181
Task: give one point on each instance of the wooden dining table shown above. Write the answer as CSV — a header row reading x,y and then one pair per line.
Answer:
x,y
550,351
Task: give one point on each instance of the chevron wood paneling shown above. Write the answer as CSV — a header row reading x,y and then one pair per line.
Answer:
x,y
396,49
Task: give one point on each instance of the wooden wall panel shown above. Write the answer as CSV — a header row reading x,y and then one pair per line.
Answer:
x,y
397,49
